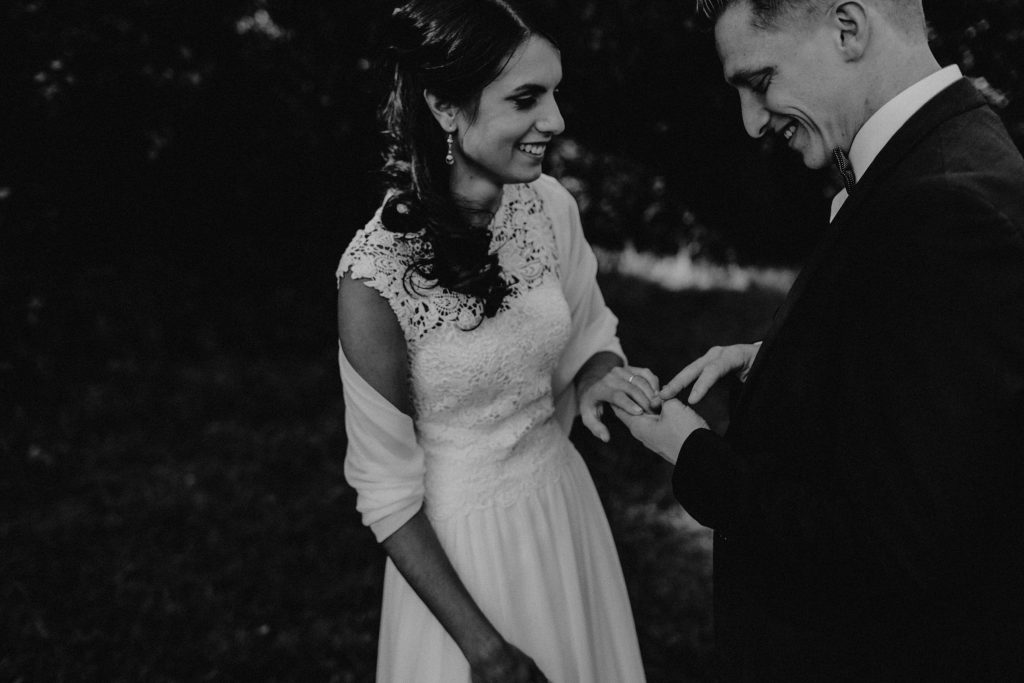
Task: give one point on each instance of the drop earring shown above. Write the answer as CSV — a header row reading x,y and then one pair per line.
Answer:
x,y
449,158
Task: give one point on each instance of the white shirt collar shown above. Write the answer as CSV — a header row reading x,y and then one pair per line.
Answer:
x,y
883,124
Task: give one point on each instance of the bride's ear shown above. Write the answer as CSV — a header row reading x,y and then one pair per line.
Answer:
x,y
444,112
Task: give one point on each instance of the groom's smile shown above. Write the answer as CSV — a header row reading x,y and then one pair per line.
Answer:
x,y
787,131
791,81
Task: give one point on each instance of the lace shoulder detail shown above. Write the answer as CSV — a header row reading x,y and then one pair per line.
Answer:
x,y
381,259
379,256
522,236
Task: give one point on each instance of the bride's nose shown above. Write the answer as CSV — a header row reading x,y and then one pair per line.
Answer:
x,y
551,121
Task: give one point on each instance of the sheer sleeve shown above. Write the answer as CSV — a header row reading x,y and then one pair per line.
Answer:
x,y
593,324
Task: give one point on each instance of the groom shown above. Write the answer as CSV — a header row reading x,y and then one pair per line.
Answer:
x,y
867,497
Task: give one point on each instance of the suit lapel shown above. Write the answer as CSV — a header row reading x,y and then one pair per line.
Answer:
x,y
807,274
959,97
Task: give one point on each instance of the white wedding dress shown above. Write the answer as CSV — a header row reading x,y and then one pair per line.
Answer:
x,y
488,457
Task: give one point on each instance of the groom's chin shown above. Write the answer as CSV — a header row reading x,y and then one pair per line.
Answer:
x,y
815,158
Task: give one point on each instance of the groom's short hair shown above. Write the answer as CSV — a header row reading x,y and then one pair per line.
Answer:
x,y
907,14
766,13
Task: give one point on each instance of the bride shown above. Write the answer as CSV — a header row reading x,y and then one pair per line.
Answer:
x,y
471,333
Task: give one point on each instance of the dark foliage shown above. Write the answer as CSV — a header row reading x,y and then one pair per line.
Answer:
x,y
190,521
177,181
167,163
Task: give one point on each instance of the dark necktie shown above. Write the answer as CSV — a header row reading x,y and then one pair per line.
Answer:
x,y
845,169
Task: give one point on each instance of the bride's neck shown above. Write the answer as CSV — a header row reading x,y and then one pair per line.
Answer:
x,y
478,198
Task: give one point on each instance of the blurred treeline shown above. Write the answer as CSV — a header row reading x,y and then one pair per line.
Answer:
x,y
177,182
167,166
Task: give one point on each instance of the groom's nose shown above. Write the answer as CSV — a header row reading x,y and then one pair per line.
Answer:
x,y
755,116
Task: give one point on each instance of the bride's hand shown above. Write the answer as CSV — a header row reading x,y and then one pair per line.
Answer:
x,y
718,362
507,665
632,390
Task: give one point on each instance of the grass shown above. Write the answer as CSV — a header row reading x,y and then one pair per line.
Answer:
x,y
186,519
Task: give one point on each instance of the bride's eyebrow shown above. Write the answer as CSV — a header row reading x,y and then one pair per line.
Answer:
x,y
529,89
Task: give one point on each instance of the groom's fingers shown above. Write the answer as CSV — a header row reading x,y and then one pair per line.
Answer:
x,y
711,374
719,362
683,379
705,371
642,427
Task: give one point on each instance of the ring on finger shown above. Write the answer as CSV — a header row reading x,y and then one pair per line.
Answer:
x,y
630,380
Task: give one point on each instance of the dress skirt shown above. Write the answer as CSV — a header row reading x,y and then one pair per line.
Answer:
x,y
543,569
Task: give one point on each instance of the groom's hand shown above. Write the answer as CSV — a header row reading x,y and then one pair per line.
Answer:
x,y
718,362
665,433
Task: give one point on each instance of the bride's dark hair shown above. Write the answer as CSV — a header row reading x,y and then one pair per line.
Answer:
x,y
453,49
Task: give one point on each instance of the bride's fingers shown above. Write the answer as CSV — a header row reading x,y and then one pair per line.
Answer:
x,y
624,417
636,393
651,386
652,380
632,400
591,418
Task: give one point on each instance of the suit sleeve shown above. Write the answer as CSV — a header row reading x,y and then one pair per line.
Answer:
x,y
929,421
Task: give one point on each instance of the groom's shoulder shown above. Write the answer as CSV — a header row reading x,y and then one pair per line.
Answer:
x,y
956,207
978,165
967,164
978,139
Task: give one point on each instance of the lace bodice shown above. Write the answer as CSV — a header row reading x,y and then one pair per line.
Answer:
x,y
482,395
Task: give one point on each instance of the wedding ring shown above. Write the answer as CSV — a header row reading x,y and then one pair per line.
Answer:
x,y
630,380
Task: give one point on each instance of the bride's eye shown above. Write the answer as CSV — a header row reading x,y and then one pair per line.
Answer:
x,y
524,102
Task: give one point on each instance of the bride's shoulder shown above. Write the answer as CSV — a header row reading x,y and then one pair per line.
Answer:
x,y
551,190
375,252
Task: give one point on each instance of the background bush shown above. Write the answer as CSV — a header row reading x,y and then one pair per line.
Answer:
x,y
177,181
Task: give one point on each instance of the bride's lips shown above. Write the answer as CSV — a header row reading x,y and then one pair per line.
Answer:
x,y
533,149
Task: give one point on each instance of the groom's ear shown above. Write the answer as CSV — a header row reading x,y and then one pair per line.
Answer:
x,y
852,29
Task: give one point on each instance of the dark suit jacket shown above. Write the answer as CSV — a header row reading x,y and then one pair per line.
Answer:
x,y
867,497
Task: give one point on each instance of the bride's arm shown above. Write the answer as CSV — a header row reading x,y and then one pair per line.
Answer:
x,y
374,345
418,555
